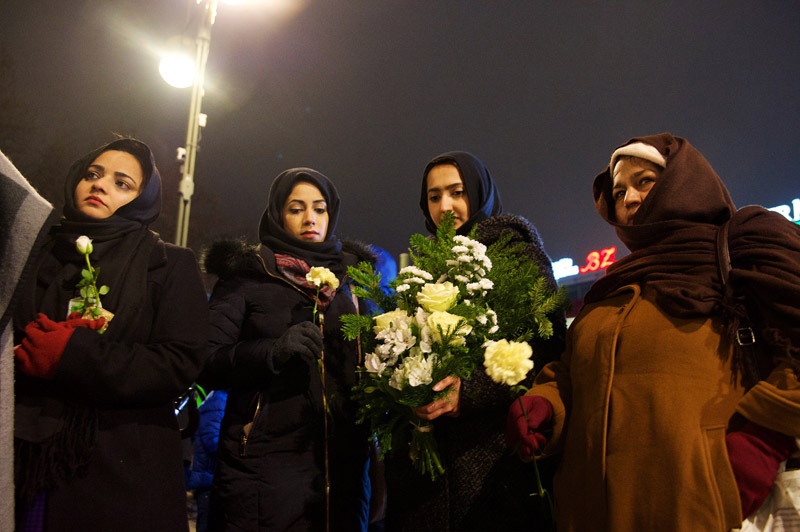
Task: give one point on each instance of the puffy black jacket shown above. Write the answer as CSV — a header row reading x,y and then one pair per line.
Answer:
x,y
270,475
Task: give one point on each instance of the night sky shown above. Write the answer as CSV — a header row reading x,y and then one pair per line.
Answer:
x,y
367,91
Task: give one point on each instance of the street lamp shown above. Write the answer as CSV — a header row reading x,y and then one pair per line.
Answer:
x,y
188,154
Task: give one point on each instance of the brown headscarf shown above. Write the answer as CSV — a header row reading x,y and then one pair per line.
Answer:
x,y
673,249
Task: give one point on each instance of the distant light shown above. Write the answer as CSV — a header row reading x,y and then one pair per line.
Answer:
x,y
177,70
564,268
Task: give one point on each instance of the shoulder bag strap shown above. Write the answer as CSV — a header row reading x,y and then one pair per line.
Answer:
x,y
744,333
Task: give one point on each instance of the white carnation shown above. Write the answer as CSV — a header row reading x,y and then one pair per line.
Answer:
x,y
507,362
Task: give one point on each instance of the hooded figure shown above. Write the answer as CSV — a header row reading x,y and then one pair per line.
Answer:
x,y
97,442
265,346
484,486
653,394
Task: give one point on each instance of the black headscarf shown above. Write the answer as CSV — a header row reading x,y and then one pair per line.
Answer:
x,y
327,253
482,194
673,249
122,243
140,212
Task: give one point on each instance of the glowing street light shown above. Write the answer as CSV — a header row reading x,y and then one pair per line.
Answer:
x,y
182,72
178,66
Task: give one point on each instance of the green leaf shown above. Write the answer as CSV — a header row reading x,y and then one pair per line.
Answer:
x,y
355,324
368,286
103,290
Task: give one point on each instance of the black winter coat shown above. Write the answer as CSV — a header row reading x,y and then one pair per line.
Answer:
x,y
273,479
134,479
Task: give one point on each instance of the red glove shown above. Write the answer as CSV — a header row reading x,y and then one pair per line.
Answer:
x,y
756,453
526,417
44,343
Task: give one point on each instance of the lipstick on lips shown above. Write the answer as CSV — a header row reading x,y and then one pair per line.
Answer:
x,y
94,200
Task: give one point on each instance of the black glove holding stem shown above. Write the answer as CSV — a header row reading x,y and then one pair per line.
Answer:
x,y
302,340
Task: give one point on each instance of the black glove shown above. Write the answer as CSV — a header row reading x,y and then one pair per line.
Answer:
x,y
303,340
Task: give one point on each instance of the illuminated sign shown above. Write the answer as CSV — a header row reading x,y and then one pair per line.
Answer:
x,y
791,212
564,268
595,261
601,259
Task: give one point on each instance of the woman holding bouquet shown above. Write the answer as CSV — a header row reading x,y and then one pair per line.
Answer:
x,y
97,441
484,487
268,343
678,397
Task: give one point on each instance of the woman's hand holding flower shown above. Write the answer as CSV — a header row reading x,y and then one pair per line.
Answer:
x,y
44,343
527,425
302,340
448,405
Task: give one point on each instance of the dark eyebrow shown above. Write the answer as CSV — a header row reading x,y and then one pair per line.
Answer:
x,y
301,202
448,187
116,174
636,174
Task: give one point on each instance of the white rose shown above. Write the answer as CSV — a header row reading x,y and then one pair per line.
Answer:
x,y
84,245
319,276
507,362
438,297
385,321
447,323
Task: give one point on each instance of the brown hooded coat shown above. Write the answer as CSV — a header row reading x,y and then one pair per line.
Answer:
x,y
649,383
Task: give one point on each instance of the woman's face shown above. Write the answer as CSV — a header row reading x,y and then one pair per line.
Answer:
x,y
112,180
305,214
631,183
446,193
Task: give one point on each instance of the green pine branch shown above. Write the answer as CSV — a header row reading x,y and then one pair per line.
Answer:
x,y
355,324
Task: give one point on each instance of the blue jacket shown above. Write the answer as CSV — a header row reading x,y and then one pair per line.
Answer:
x,y
205,441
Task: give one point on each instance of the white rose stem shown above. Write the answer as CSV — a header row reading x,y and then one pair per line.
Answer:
x,y
98,304
325,430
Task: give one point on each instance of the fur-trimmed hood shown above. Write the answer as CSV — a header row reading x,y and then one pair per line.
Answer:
x,y
225,258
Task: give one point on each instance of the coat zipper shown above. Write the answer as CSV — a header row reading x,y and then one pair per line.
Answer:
x,y
249,426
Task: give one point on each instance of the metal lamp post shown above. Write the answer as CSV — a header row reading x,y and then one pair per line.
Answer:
x,y
188,155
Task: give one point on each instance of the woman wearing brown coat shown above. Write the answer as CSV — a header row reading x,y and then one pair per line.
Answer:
x,y
662,421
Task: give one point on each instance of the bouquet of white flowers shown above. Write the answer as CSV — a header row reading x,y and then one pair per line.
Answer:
x,y
459,306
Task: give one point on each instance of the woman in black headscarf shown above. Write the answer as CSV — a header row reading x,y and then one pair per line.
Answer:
x,y
266,345
663,421
484,487
97,442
